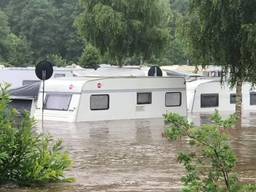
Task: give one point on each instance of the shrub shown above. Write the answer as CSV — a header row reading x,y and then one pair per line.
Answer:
x,y
58,60
90,57
209,164
26,157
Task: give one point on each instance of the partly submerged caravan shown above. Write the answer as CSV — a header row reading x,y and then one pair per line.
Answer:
x,y
111,98
208,95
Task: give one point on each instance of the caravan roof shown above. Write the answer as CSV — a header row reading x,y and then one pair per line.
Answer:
x,y
81,84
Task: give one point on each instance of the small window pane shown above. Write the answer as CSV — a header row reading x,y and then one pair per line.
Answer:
x,y
29,82
209,100
252,98
57,101
144,98
21,105
232,98
173,99
99,102
56,75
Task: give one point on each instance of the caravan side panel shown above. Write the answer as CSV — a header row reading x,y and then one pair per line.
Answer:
x,y
123,105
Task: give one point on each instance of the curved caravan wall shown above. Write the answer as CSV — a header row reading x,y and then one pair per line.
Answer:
x,y
112,98
212,95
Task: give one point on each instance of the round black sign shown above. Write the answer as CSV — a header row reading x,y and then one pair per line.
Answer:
x,y
44,70
155,71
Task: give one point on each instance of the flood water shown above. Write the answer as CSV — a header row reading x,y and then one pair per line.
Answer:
x,y
132,155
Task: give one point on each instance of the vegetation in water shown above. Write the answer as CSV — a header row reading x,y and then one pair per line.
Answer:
x,y
26,157
210,162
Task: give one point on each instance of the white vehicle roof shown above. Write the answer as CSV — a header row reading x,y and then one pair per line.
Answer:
x,y
81,84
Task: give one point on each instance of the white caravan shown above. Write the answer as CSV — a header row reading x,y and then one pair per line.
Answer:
x,y
208,95
111,98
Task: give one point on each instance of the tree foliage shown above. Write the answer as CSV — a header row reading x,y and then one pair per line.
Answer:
x,y
210,162
125,28
136,31
26,157
90,57
47,26
4,31
13,49
223,35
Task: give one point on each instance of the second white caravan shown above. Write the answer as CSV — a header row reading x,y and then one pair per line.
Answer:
x,y
208,95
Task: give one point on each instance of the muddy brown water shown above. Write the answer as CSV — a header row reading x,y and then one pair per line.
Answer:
x,y
132,155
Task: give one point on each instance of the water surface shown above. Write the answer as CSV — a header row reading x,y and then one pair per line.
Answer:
x,y
132,155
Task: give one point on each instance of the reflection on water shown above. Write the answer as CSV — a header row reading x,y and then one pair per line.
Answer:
x,y
132,155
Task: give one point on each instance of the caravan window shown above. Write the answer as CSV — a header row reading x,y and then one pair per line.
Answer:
x,y
29,82
209,100
56,75
173,99
57,101
99,102
21,105
232,98
253,98
144,98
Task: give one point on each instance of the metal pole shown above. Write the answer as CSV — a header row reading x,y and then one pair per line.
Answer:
x,y
43,77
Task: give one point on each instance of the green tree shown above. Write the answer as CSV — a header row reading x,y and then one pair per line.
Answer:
x,y
70,44
35,20
225,36
90,57
19,53
4,3
210,162
124,29
58,60
174,53
4,32
181,6
47,26
13,50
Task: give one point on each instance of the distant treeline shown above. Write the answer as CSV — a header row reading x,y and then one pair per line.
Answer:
x,y
88,32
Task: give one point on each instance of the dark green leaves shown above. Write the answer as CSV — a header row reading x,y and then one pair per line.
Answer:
x,y
124,29
226,31
27,158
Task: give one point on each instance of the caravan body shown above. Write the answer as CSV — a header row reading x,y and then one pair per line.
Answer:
x,y
208,95
112,98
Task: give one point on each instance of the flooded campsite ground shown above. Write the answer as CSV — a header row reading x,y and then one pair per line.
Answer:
x,y
132,155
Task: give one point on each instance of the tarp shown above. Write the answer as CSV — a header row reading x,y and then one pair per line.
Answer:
x,y
28,91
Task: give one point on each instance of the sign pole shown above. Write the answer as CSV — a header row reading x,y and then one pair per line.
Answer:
x,y
44,71
43,77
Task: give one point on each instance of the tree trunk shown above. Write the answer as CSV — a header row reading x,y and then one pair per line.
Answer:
x,y
239,86
119,61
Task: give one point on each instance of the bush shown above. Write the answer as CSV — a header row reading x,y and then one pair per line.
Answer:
x,y
58,60
26,157
210,163
90,57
